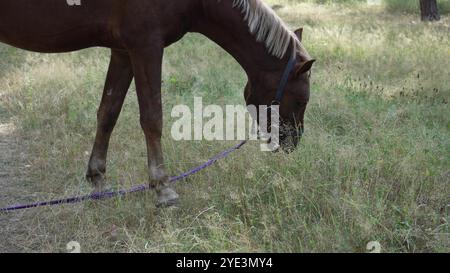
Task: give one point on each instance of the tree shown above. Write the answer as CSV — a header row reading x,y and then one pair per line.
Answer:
x,y
429,10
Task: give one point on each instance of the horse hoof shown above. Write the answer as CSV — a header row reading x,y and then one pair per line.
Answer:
x,y
97,181
100,189
167,197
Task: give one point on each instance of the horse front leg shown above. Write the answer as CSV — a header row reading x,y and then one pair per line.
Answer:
x,y
118,80
147,64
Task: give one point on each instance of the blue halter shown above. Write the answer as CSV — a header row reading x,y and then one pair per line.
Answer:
x,y
282,86
284,80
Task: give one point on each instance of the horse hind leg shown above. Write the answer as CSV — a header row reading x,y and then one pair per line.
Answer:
x,y
118,80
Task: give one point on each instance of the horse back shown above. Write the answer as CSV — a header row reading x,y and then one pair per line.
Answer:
x,y
56,25
60,25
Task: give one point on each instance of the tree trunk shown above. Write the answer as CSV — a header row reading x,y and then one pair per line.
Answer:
x,y
429,10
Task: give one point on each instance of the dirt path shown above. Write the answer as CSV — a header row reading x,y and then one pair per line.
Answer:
x,y
12,172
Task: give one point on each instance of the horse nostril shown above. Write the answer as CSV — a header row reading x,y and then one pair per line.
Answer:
x,y
288,149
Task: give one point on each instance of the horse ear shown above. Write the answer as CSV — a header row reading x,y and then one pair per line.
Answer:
x,y
299,33
304,67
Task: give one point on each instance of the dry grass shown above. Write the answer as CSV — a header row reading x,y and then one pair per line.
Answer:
x,y
374,164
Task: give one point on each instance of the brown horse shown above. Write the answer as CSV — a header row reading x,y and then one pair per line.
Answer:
x,y
137,31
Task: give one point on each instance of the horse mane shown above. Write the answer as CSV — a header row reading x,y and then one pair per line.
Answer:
x,y
267,26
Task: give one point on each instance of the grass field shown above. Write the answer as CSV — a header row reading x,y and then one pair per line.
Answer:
x,y
374,164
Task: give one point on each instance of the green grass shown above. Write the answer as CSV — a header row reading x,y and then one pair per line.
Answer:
x,y
374,164
402,6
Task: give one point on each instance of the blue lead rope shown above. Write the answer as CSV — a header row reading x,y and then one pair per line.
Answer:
x,y
111,194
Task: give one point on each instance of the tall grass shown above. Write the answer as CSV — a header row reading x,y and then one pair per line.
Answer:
x,y
373,165
409,6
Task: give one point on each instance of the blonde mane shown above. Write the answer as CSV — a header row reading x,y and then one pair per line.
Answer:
x,y
268,28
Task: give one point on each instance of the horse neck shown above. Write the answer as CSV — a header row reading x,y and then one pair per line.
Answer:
x,y
226,26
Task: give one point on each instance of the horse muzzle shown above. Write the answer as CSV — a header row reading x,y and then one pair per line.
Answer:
x,y
290,137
